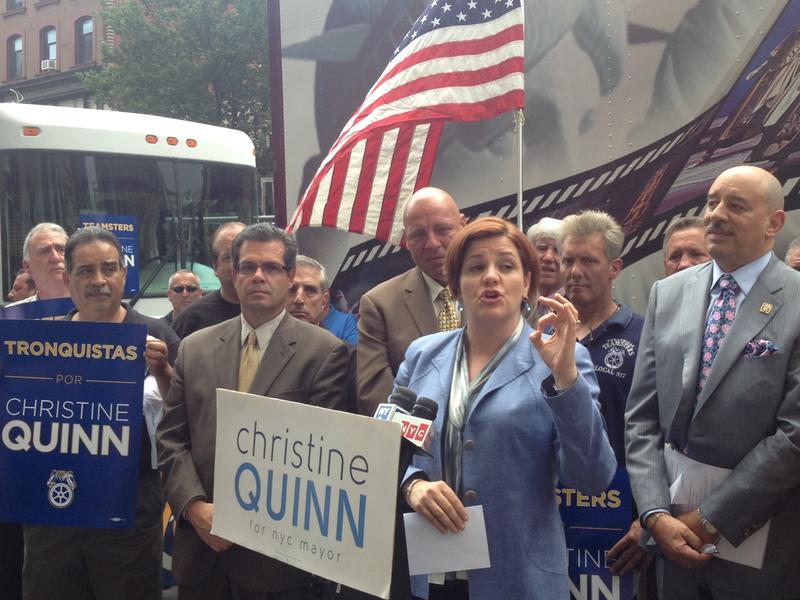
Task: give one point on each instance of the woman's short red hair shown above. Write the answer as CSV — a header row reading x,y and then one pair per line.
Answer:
x,y
488,227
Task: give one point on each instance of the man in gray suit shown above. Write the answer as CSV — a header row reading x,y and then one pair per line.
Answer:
x,y
295,361
718,378
398,311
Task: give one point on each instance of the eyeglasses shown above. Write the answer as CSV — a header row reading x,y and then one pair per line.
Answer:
x,y
179,289
270,269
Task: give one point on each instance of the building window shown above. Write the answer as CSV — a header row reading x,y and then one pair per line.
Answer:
x,y
84,38
14,53
13,4
48,47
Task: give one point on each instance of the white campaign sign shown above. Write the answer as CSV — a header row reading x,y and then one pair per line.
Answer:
x,y
312,487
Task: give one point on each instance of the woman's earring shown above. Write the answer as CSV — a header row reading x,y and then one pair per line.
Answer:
x,y
526,308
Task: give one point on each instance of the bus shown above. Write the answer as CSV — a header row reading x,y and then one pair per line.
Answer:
x,y
175,181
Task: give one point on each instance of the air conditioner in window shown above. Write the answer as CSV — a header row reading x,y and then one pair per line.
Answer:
x,y
49,64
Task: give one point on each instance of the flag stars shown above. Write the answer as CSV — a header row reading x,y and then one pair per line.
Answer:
x,y
487,14
423,18
435,23
472,4
509,3
461,17
434,3
446,7
413,35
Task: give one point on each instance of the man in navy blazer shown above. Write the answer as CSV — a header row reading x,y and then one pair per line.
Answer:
x,y
746,414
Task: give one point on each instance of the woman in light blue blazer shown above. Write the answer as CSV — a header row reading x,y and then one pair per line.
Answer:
x,y
518,413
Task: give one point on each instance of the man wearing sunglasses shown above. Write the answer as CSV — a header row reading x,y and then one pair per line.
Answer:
x,y
184,290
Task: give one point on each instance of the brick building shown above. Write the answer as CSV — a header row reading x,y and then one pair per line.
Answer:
x,y
45,44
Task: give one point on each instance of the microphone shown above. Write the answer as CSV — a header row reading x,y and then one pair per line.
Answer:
x,y
417,431
402,400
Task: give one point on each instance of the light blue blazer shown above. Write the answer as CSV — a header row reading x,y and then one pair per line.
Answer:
x,y
522,444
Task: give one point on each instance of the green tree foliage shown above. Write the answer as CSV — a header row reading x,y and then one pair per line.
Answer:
x,y
200,60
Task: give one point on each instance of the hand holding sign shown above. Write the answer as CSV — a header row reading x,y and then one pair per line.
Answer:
x,y
156,355
201,515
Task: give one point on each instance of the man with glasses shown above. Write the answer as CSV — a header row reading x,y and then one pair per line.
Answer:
x,y
183,291
222,304
263,351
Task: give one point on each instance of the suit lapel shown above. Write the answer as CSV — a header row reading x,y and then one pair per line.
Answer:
x,y
226,355
693,322
418,303
517,361
749,321
278,353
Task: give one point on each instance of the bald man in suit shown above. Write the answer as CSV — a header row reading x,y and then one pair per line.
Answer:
x,y
736,406
398,311
298,362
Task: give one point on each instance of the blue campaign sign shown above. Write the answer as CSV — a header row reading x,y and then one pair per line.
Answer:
x,y
592,525
70,422
56,308
126,231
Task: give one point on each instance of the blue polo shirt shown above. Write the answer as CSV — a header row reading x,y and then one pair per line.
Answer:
x,y
343,325
613,347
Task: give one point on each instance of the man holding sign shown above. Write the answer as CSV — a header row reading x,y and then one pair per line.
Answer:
x,y
264,351
78,563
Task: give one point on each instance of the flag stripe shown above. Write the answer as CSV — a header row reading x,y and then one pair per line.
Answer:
x,y
470,52
338,174
315,216
355,171
380,181
392,194
437,104
366,184
409,183
451,78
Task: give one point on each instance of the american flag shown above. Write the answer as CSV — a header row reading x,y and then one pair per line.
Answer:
x,y
462,60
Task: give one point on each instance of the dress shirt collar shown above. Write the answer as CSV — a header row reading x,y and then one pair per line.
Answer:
x,y
434,287
745,276
263,333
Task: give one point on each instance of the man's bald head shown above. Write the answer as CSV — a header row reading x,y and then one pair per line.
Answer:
x,y
743,215
430,219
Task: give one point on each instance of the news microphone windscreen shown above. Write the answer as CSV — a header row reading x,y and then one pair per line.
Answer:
x,y
404,398
425,408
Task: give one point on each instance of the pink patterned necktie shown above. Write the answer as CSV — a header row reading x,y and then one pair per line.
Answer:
x,y
719,322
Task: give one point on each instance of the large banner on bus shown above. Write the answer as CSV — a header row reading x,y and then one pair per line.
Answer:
x,y
308,486
70,422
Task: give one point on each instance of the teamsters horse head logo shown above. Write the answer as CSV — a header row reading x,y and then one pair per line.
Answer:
x,y
60,488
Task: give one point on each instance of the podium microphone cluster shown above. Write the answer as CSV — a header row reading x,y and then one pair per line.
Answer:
x,y
416,417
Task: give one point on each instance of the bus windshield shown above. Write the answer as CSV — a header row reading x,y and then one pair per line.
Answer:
x,y
176,203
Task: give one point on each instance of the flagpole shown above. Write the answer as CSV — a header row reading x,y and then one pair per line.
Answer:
x,y
519,123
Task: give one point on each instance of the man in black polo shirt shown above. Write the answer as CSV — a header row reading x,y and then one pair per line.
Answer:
x,y
590,262
219,305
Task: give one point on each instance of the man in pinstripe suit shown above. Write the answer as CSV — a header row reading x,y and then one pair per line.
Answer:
x,y
736,407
